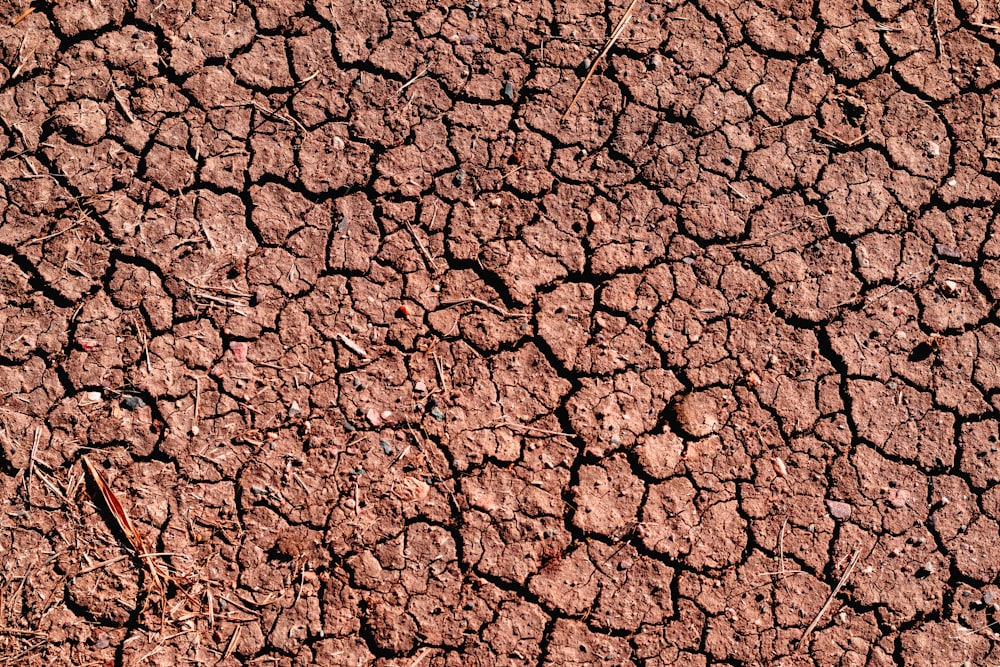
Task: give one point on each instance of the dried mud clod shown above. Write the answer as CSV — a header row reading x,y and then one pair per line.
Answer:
x,y
341,332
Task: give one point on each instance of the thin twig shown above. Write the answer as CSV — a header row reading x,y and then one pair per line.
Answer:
x,y
440,371
222,290
406,450
18,656
52,487
20,59
308,78
31,464
421,248
829,600
280,116
17,632
419,658
102,564
24,580
776,573
197,404
512,172
895,288
145,346
970,631
619,29
352,346
412,81
757,242
479,302
23,16
781,548
41,239
241,607
121,102
219,299
849,143
937,28
533,429
302,580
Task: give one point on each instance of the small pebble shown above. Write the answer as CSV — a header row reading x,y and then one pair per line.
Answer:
x,y
133,403
460,176
839,510
468,39
373,417
596,217
437,414
87,344
420,386
294,409
94,396
102,639
338,144
655,61
239,350
386,447
508,91
898,498
946,252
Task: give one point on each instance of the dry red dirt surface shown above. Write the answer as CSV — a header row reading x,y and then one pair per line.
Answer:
x,y
392,365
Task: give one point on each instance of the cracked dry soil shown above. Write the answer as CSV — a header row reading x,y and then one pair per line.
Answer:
x,y
390,366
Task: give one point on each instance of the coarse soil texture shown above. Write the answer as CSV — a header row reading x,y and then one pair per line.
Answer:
x,y
332,334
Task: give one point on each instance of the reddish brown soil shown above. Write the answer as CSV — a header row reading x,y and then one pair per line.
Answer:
x,y
394,366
